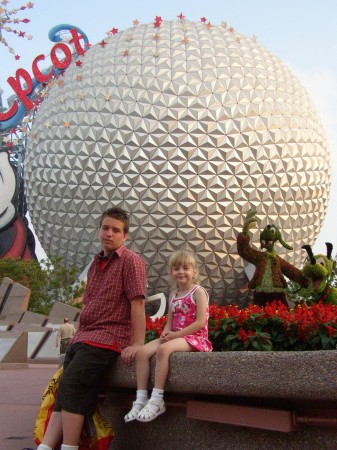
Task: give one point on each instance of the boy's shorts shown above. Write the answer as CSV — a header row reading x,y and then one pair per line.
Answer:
x,y
84,369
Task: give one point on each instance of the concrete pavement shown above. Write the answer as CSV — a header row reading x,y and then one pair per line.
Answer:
x,y
20,395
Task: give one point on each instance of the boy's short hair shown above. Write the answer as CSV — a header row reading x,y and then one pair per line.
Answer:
x,y
118,214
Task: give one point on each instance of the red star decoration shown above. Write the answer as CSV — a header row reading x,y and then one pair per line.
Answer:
x,y
22,34
158,19
13,130
78,63
181,16
17,57
9,144
114,31
156,24
102,44
203,20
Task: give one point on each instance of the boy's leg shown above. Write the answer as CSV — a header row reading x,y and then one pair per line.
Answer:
x,y
53,434
83,379
78,389
72,425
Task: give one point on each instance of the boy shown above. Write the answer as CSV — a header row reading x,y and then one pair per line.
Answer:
x,y
112,322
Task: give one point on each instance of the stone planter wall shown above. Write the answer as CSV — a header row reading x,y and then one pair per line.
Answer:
x,y
295,392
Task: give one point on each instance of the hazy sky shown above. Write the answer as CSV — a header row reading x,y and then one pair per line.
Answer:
x,y
302,33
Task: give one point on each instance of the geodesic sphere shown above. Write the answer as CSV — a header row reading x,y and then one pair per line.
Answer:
x,y
186,127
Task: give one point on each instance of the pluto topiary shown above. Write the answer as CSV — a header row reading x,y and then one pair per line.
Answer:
x,y
319,269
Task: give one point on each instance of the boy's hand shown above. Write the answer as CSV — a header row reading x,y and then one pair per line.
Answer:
x,y
128,354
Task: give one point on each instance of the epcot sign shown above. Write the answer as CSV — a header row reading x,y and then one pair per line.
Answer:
x,y
23,91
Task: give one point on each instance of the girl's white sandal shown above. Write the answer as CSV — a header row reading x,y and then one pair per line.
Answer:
x,y
150,411
133,413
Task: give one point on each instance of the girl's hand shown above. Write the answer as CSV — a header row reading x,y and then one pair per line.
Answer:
x,y
167,336
163,337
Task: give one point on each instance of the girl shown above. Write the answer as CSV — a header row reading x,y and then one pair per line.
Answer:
x,y
186,330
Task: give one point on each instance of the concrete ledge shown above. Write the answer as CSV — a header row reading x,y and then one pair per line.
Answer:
x,y
234,401
284,375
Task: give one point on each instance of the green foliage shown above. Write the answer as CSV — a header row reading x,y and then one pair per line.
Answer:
x,y
27,273
48,280
62,283
150,336
297,294
231,336
270,328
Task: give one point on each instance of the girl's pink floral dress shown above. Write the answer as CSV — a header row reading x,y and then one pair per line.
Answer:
x,y
184,311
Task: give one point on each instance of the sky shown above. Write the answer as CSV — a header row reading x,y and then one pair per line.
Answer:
x,y
302,33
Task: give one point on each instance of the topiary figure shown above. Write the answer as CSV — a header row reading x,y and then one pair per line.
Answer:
x,y
268,280
319,269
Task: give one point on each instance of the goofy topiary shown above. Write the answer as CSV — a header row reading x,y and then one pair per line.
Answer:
x,y
268,281
320,269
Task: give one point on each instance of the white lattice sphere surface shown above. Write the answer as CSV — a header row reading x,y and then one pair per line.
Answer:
x,y
185,127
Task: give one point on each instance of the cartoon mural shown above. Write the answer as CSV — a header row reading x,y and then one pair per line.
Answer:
x,y
13,234
16,239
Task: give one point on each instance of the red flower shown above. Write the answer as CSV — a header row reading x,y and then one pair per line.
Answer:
x,y
331,331
244,336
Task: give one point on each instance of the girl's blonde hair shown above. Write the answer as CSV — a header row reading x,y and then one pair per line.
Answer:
x,y
184,258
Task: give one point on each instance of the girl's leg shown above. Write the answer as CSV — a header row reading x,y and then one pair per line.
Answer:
x,y
144,354
156,406
162,359
143,357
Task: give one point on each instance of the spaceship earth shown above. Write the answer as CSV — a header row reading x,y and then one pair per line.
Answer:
x,y
186,126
